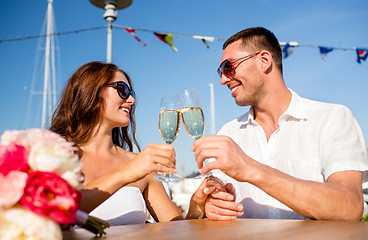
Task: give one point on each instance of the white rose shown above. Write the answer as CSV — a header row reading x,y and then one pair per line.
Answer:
x,y
58,158
18,223
17,137
36,135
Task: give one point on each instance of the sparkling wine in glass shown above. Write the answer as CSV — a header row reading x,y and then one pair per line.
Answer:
x,y
169,126
193,120
192,115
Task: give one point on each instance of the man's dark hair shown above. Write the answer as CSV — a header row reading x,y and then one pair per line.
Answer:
x,y
256,39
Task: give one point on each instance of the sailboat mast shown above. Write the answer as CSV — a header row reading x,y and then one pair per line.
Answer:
x,y
46,80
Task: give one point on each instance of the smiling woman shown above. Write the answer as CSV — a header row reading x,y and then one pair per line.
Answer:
x,y
96,111
82,101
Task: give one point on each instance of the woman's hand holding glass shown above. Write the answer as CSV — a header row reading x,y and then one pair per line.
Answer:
x,y
154,158
169,126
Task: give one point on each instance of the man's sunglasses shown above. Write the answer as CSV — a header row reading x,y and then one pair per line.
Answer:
x,y
227,66
123,89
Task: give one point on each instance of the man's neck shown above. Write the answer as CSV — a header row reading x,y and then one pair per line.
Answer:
x,y
268,112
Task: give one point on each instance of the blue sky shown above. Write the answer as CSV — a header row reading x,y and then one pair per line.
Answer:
x,y
156,69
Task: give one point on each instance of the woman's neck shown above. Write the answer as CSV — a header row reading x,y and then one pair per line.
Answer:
x,y
101,141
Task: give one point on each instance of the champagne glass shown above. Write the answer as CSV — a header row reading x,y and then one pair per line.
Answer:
x,y
192,115
169,126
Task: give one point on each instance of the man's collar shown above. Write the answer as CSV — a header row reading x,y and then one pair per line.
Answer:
x,y
295,109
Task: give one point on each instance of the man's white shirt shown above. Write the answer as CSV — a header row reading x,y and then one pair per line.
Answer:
x,y
313,141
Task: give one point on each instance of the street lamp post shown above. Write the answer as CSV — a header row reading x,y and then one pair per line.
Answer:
x,y
111,7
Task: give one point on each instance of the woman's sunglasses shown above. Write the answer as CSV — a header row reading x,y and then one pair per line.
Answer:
x,y
123,89
227,66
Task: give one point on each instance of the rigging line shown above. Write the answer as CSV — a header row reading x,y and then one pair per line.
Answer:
x,y
51,34
317,46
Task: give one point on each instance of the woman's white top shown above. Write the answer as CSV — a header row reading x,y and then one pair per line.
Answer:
x,y
125,206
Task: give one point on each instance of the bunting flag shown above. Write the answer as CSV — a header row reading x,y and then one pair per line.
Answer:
x,y
205,39
206,43
287,49
132,32
324,51
167,38
362,54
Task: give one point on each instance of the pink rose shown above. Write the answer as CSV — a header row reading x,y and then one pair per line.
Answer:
x,y
13,158
48,194
11,188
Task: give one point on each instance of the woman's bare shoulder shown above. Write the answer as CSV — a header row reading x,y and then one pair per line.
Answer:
x,y
129,155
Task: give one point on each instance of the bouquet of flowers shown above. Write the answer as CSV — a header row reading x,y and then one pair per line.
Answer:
x,y
40,179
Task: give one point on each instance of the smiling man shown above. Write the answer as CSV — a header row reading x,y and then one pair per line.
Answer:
x,y
287,157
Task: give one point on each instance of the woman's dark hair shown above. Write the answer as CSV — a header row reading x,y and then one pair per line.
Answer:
x,y
79,109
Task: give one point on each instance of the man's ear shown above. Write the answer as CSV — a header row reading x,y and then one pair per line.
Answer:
x,y
266,61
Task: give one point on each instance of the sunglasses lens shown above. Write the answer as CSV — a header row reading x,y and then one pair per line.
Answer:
x,y
227,68
123,90
219,71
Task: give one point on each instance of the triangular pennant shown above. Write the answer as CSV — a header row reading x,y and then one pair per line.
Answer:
x,y
324,51
132,32
205,39
362,54
167,38
287,50
206,43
